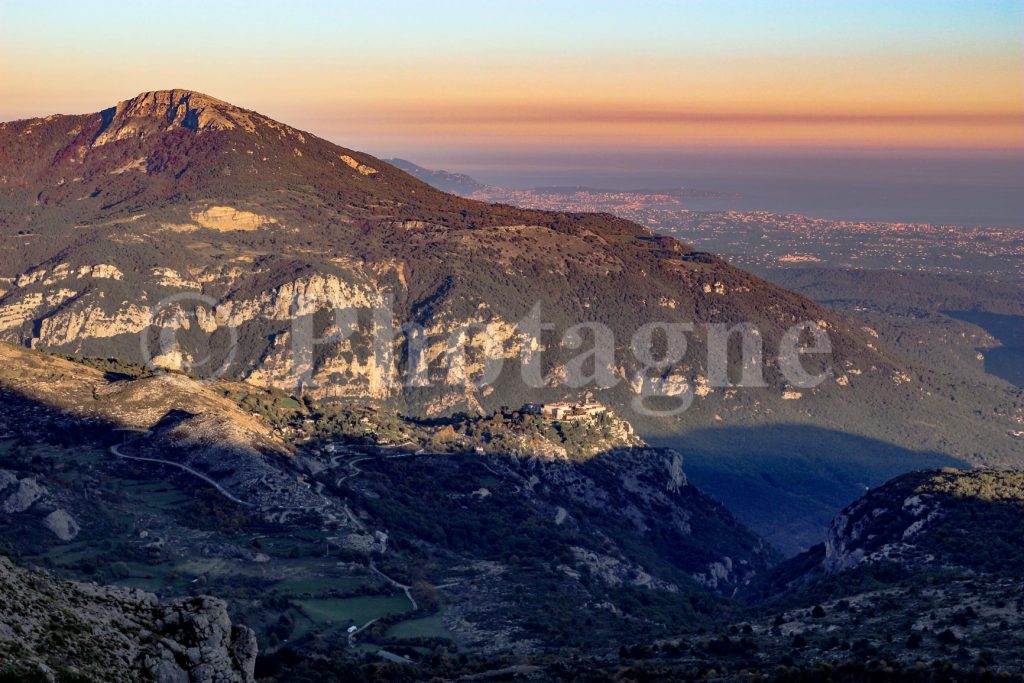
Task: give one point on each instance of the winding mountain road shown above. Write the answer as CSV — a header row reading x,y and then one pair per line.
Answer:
x,y
405,589
116,450
352,469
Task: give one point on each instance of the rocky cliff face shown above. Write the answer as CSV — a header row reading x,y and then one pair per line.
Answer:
x,y
26,495
646,490
922,567
155,113
952,519
115,634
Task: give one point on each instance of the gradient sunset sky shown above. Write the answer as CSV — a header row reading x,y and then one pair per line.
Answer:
x,y
413,78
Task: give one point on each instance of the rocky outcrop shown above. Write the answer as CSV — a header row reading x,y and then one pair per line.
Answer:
x,y
230,218
615,572
198,642
27,496
878,527
363,169
172,109
62,525
118,634
22,495
947,518
645,488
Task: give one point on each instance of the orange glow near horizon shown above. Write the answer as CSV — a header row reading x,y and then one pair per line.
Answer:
x,y
943,75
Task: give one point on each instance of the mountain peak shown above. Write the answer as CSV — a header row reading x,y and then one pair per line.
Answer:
x,y
168,109
172,97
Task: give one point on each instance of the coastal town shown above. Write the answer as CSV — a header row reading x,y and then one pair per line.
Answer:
x,y
766,239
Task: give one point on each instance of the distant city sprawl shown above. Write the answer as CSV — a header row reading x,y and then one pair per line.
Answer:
x,y
763,239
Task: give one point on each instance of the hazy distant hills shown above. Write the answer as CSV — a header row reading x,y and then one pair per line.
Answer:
x,y
466,186
455,183
104,215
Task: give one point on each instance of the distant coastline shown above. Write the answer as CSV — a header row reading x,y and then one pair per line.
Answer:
x,y
962,190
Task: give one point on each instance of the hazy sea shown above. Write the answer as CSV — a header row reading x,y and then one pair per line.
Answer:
x,y
982,189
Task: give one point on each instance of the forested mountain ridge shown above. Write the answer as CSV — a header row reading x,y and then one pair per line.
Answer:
x,y
244,223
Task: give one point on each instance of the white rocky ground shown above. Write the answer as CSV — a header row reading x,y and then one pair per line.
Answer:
x,y
118,634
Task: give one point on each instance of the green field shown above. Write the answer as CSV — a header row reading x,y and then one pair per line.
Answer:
x,y
69,553
425,627
317,585
356,610
154,494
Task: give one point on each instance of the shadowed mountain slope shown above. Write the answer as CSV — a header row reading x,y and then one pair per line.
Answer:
x,y
504,552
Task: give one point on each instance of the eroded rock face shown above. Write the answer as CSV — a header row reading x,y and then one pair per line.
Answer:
x,y
199,643
62,525
949,518
879,527
24,495
46,308
228,218
646,488
135,118
118,634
